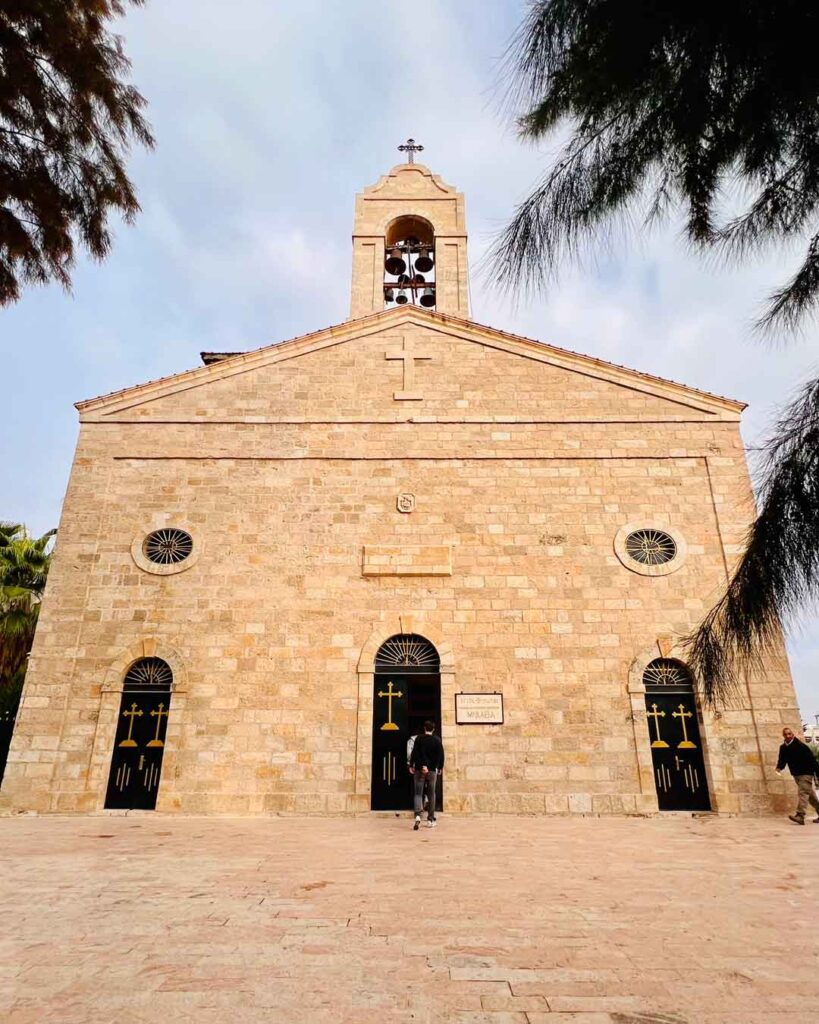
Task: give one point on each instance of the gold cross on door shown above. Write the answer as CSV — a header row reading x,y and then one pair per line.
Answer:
x,y
158,714
131,715
389,725
657,715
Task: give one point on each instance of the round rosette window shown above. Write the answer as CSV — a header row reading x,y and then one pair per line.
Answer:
x,y
650,550
164,550
651,547
167,547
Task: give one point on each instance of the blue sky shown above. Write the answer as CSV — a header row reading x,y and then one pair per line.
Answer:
x,y
269,117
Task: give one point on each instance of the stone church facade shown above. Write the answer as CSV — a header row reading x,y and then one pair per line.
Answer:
x,y
272,567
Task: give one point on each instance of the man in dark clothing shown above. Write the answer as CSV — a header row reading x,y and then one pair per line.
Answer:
x,y
804,767
426,761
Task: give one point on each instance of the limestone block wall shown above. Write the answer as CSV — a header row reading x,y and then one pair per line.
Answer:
x,y
285,478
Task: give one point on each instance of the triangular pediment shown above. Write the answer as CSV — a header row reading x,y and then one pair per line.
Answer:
x,y
409,363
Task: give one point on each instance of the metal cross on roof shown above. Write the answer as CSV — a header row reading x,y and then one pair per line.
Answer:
x,y
411,148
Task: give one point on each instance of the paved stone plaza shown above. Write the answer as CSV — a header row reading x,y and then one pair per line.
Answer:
x,y
361,921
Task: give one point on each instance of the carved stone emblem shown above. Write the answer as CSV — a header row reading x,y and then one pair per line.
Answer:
x,y
406,503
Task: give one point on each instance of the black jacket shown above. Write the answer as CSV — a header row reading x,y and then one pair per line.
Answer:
x,y
798,757
429,751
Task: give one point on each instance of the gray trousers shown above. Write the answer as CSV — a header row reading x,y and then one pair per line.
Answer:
x,y
430,783
804,785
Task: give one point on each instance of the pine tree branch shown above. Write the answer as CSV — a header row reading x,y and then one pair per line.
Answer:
x,y
794,300
704,100
779,570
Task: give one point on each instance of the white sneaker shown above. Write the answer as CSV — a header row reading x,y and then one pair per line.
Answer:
x,y
431,824
417,824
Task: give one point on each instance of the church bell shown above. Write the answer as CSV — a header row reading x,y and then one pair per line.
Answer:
x,y
427,297
424,261
401,299
394,263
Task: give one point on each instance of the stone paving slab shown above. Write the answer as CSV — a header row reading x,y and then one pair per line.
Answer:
x,y
141,919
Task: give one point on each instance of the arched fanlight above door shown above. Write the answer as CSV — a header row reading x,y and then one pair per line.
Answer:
x,y
408,652
665,674
148,674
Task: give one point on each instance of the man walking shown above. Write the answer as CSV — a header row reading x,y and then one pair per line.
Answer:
x,y
426,762
410,744
803,766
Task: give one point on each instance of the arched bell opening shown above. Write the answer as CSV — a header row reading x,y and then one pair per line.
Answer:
x,y
139,743
409,263
406,693
676,742
410,226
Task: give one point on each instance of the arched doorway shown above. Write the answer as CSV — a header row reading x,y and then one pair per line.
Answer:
x,y
674,731
406,692
136,762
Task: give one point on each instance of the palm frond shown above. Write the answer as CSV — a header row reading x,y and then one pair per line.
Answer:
x,y
24,564
10,532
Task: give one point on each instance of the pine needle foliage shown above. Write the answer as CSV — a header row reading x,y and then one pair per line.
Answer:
x,y
670,104
779,570
67,120
691,106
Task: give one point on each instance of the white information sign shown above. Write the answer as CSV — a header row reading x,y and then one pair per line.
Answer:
x,y
479,708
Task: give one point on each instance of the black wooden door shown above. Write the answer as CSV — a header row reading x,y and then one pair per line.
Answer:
x,y
676,751
390,778
401,705
138,748
7,716
425,705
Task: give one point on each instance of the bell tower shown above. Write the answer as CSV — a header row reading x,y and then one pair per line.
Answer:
x,y
409,243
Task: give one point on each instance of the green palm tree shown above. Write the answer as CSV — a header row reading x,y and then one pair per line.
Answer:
x,y
676,106
24,562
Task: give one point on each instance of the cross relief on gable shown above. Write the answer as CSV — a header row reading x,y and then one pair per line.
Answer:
x,y
408,354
